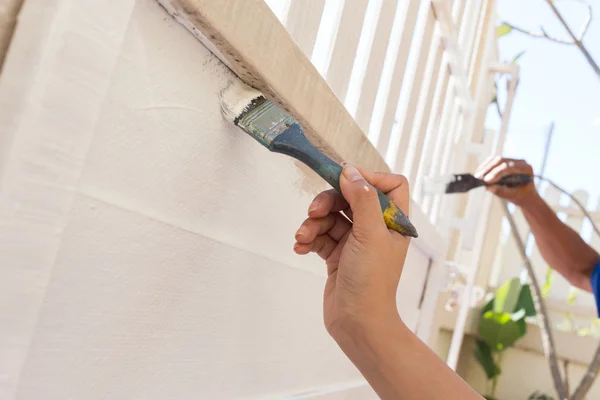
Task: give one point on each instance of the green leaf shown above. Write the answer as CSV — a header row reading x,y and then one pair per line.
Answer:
x,y
521,324
525,301
499,330
483,354
489,306
548,284
502,30
516,58
507,296
495,99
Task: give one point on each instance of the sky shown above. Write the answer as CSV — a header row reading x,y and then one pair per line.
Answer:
x,y
557,85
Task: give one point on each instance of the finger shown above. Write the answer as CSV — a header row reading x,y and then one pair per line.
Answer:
x,y
490,164
364,202
395,186
323,245
333,261
507,167
484,167
335,225
327,202
386,182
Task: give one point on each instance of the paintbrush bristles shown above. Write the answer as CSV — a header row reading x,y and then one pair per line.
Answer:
x,y
236,98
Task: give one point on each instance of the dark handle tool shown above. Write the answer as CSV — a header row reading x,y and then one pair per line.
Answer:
x,y
294,143
513,181
462,183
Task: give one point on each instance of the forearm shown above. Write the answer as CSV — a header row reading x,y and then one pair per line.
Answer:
x,y
562,248
399,366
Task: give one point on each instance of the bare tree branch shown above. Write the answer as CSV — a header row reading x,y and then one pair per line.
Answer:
x,y
540,308
566,368
587,22
577,40
539,35
589,377
500,113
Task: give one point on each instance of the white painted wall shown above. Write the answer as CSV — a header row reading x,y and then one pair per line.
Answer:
x,y
146,245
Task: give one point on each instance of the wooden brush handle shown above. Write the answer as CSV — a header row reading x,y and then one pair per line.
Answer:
x,y
293,143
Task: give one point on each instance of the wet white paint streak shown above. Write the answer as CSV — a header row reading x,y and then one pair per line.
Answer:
x,y
236,98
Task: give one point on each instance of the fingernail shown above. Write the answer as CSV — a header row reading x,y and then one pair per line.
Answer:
x,y
351,173
301,231
313,206
488,178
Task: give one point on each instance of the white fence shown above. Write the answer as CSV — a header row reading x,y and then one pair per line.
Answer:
x,y
410,72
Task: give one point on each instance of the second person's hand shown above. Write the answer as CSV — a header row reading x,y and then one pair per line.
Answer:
x,y
496,168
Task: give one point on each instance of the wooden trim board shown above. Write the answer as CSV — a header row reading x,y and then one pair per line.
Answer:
x,y
266,57
9,9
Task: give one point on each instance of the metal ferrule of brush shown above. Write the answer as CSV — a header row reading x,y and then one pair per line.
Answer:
x,y
265,121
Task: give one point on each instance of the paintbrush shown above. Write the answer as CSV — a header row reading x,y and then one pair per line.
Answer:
x,y
461,183
281,133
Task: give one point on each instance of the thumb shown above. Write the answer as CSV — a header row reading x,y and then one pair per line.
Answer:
x,y
363,200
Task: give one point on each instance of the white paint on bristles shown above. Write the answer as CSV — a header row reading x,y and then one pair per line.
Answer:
x,y
236,98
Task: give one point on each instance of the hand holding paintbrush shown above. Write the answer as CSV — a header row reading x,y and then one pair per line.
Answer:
x,y
275,129
497,168
498,174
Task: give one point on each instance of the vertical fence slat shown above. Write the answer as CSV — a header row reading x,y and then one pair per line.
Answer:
x,y
415,153
464,22
478,48
458,11
396,84
476,19
478,37
417,85
472,132
432,139
346,44
441,133
490,244
512,261
455,125
303,22
375,64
